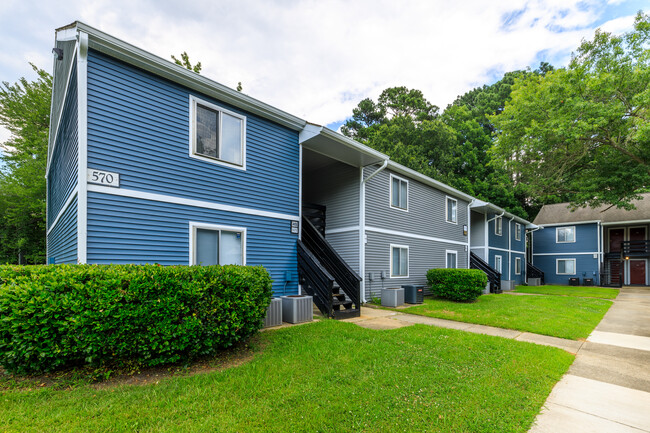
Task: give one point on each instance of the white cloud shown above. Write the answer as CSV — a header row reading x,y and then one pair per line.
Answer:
x,y
317,59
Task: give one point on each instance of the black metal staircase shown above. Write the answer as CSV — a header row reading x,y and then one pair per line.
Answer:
x,y
494,277
324,274
534,272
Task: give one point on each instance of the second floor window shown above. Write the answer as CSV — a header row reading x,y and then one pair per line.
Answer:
x,y
218,135
498,226
517,231
452,205
565,234
399,191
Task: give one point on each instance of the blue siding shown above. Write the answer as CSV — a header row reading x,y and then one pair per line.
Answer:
x,y
586,267
62,240
63,167
586,240
138,126
504,262
495,240
129,230
521,278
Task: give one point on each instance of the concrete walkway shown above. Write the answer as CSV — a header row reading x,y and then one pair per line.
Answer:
x,y
607,389
374,318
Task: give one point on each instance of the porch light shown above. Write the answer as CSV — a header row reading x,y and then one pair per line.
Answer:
x,y
58,53
627,258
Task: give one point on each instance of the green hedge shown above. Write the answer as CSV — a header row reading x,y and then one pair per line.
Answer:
x,y
463,285
59,316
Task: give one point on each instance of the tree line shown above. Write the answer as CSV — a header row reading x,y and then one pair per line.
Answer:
x,y
580,134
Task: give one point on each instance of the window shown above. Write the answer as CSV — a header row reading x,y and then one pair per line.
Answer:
x,y
217,245
452,259
517,231
497,264
565,266
518,265
452,205
399,191
399,261
565,234
217,135
498,226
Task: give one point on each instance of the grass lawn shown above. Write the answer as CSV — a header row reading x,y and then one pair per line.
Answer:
x,y
557,316
580,291
326,376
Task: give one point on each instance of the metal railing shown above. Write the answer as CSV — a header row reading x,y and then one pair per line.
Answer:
x,y
534,272
494,277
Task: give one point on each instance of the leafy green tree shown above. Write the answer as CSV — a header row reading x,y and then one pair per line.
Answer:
x,y
584,131
185,62
25,112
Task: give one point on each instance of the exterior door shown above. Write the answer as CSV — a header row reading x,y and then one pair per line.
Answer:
x,y
637,272
616,236
637,233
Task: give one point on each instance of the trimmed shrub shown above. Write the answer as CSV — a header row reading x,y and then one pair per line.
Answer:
x,y
462,285
53,317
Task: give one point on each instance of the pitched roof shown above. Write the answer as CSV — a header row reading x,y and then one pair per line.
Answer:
x,y
560,213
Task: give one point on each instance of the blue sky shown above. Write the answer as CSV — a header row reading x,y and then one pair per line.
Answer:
x,y
318,59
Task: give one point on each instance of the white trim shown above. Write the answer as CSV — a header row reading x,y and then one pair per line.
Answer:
x,y
469,233
412,235
194,101
447,252
342,230
189,202
197,225
517,259
505,250
557,235
510,248
82,137
499,268
362,234
498,223
408,261
50,155
620,223
569,223
390,194
557,271
447,198
565,254
518,230
486,228
66,205
299,205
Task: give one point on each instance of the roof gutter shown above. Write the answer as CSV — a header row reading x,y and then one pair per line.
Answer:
x,y
376,172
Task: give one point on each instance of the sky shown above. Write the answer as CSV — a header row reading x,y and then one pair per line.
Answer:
x,y
317,59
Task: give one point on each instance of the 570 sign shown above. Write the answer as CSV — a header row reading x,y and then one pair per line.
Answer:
x,y
106,178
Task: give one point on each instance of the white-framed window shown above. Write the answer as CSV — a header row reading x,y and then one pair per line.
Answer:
x,y
498,226
518,265
517,231
399,193
452,210
565,234
451,260
212,244
217,135
565,266
498,264
399,261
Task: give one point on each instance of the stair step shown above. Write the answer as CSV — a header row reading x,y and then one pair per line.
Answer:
x,y
339,296
347,314
345,304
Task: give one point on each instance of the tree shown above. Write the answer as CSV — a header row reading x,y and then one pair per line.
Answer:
x,y
25,112
584,131
185,62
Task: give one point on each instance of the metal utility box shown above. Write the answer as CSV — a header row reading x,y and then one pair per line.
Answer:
x,y
587,281
297,309
574,281
392,297
413,294
534,281
273,313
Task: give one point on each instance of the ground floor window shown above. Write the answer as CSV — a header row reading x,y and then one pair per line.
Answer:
x,y
566,266
452,259
498,264
217,245
399,261
518,265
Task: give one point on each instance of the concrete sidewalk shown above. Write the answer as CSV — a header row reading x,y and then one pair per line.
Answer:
x,y
607,389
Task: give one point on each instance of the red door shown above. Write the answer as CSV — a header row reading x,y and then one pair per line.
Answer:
x,y
637,272
637,234
616,236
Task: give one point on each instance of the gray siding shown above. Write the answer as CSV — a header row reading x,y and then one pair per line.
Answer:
x,y
423,255
426,209
336,187
477,234
347,245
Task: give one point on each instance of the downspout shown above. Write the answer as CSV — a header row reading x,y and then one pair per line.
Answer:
x,y
510,248
495,217
599,227
362,226
532,245
469,230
